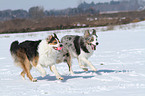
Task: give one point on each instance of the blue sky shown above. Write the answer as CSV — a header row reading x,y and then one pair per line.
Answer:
x,y
47,4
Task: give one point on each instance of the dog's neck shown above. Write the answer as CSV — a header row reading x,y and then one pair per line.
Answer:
x,y
47,55
45,48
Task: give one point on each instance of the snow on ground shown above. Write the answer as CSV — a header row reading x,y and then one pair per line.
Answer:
x,y
119,58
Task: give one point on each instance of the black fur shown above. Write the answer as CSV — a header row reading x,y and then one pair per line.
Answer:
x,y
67,54
30,48
51,40
69,38
14,47
77,45
55,36
83,46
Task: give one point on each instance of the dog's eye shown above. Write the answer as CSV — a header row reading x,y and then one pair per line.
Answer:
x,y
55,42
92,40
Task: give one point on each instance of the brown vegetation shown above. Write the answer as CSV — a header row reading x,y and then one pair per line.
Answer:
x,y
65,22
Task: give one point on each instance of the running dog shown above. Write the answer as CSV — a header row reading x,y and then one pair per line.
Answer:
x,y
39,54
80,47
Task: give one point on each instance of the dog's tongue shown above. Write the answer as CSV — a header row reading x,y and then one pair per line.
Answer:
x,y
59,48
92,47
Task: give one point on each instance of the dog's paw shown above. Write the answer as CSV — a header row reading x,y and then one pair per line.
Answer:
x,y
82,66
95,69
85,65
34,80
23,78
85,69
60,78
71,73
43,75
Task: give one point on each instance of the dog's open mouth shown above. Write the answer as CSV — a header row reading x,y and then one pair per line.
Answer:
x,y
93,47
57,48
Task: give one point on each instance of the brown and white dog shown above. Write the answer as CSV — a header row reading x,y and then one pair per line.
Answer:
x,y
39,54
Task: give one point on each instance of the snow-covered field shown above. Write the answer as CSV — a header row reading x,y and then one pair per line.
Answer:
x,y
119,58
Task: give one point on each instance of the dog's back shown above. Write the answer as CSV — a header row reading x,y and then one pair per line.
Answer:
x,y
69,42
74,44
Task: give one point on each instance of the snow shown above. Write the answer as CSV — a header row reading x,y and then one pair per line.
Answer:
x,y
119,58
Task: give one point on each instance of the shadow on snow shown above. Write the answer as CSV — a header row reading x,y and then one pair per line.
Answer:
x,y
67,77
53,78
103,71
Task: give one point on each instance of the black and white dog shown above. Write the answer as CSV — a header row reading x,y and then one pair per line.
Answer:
x,y
80,47
39,54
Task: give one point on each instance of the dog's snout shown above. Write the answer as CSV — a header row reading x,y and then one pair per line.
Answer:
x,y
97,43
61,45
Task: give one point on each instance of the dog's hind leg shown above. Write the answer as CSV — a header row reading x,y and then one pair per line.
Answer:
x,y
69,63
27,68
89,64
23,75
20,64
23,72
53,68
22,60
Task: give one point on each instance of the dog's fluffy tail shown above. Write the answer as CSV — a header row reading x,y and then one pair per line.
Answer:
x,y
13,50
14,47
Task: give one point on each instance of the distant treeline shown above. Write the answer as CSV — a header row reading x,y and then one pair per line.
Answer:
x,y
38,12
121,5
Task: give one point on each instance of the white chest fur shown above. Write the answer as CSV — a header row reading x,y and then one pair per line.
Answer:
x,y
47,55
86,55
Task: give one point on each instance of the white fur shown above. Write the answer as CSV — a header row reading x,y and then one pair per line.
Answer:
x,y
87,55
47,57
41,70
94,42
83,57
53,68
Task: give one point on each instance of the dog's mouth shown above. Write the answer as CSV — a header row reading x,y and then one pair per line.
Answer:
x,y
93,46
57,48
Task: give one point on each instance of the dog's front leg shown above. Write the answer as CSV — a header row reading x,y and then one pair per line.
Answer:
x,y
41,70
89,64
82,66
53,68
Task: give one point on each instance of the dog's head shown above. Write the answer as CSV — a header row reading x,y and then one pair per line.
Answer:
x,y
91,39
54,42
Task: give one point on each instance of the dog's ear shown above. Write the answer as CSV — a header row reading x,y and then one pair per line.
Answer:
x,y
87,33
49,38
94,32
55,36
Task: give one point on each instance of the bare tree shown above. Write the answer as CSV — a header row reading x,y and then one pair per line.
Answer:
x,y
36,12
